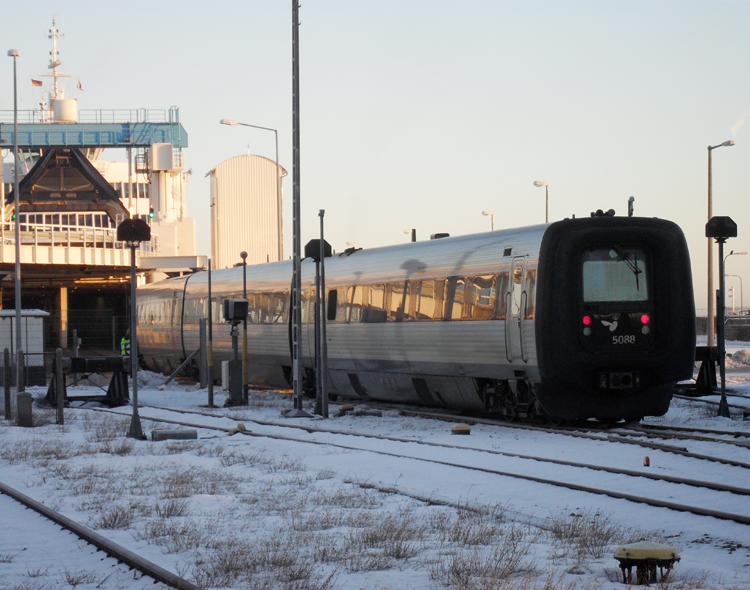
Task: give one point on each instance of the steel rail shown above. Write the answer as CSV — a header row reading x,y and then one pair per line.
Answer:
x,y
708,401
630,472
565,432
697,429
100,542
739,518
576,433
646,431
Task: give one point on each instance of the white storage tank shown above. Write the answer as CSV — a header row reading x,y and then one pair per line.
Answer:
x,y
246,211
65,110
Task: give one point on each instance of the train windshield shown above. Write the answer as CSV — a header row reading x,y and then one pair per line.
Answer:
x,y
614,274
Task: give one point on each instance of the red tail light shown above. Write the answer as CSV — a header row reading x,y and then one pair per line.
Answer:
x,y
586,320
645,319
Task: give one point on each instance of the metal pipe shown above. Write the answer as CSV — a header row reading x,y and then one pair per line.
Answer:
x,y
245,396
710,310
323,319
210,364
296,226
14,53
136,431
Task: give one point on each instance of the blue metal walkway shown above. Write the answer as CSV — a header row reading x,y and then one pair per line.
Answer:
x,y
96,129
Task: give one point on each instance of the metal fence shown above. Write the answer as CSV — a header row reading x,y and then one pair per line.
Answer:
x,y
99,331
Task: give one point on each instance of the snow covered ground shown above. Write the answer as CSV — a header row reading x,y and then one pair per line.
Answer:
x,y
233,511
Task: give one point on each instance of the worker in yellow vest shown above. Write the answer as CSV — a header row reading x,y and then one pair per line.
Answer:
x,y
125,344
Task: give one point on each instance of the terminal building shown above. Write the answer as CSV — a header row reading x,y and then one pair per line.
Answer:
x,y
71,201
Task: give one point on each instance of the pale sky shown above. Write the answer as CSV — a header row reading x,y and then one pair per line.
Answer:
x,y
423,113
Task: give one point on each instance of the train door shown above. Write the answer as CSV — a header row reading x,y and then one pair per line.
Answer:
x,y
515,304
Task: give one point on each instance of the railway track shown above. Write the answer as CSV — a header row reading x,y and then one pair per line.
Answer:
x,y
610,434
567,474
119,553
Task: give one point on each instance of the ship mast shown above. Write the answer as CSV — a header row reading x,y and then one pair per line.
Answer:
x,y
57,92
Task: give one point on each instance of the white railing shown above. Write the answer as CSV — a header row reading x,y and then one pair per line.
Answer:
x,y
39,243
101,116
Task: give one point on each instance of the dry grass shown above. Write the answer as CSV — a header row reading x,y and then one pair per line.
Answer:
x,y
484,567
238,516
579,537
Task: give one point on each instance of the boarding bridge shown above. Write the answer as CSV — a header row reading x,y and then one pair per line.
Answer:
x,y
120,128
43,244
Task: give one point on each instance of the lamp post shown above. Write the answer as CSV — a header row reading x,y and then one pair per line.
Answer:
x,y
740,278
720,229
278,176
14,53
733,253
245,399
546,198
133,232
711,295
491,215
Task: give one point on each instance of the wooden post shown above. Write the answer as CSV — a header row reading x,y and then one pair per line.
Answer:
x,y
7,383
60,386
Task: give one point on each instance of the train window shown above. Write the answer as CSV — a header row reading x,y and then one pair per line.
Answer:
x,y
398,302
354,302
517,290
280,307
332,302
614,274
482,301
342,305
194,310
251,311
530,293
375,311
263,306
455,298
502,290
216,310
430,304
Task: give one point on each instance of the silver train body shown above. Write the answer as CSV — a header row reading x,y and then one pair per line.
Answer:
x,y
485,322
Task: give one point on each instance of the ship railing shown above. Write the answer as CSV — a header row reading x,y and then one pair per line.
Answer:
x,y
79,237
100,116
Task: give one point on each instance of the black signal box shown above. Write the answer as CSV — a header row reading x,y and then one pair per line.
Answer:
x,y
721,228
133,230
235,310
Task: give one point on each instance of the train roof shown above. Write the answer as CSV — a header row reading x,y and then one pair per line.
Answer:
x,y
468,255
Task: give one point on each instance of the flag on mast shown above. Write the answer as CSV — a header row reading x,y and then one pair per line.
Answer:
x,y
80,87
36,82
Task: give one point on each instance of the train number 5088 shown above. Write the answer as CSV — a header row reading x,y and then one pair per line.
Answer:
x,y
623,339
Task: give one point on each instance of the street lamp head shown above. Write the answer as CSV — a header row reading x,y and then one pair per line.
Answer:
x,y
228,122
243,255
727,143
486,213
14,53
540,183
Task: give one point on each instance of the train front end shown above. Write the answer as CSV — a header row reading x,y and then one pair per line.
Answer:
x,y
615,324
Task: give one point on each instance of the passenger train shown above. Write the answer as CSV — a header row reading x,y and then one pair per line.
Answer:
x,y
581,318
